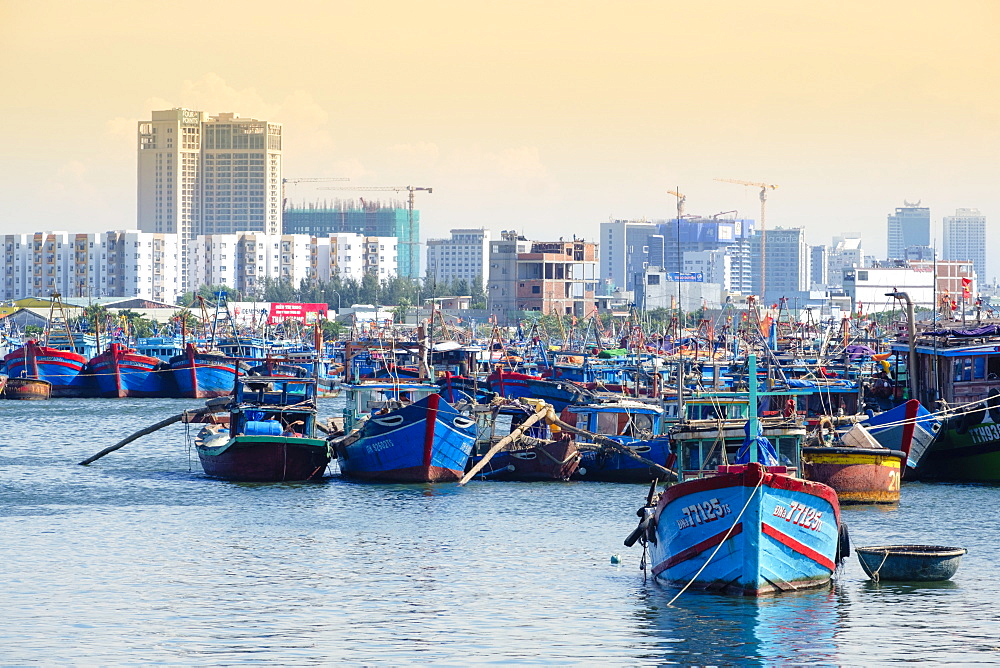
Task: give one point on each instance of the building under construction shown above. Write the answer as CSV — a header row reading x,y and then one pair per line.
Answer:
x,y
368,217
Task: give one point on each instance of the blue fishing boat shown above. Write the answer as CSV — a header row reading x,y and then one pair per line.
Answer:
x,y
403,432
541,453
203,374
908,427
636,425
753,527
121,371
65,370
559,393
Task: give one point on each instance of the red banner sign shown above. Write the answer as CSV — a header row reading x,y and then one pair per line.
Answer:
x,y
304,312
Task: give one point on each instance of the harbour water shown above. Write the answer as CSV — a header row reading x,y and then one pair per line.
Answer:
x,y
141,559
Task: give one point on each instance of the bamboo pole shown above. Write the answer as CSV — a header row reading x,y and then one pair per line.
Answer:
x,y
541,412
186,416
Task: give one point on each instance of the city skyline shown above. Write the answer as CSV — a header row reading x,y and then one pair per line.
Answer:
x,y
555,117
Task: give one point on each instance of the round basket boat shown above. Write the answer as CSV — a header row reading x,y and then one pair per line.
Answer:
x,y
910,563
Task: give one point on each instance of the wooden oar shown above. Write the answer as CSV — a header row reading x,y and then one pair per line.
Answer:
x,y
503,442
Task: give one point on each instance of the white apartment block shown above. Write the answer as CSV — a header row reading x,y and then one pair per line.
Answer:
x,y
242,260
845,253
965,238
464,256
208,175
122,263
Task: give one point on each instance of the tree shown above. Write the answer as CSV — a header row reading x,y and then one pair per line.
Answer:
x,y
478,292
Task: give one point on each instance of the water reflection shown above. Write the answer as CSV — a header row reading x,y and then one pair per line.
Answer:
x,y
703,628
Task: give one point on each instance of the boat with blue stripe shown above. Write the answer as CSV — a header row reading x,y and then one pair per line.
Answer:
x,y
66,370
121,371
637,426
403,432
203,374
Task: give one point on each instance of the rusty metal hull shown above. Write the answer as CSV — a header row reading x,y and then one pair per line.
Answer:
x,y
859,475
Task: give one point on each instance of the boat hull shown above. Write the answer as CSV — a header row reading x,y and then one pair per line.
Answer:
x,y
908,427
65,370
27,389
606,465
266,459
550,460
785,539
121,372
858,475
427,441
964,454
203,375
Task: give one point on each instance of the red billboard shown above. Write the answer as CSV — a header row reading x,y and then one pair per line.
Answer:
x,y
303,312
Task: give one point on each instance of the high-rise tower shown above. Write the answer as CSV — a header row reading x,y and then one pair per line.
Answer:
x,y
208,175
909,226
965,239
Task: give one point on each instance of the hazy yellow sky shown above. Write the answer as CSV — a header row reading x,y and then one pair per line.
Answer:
x,y
549,117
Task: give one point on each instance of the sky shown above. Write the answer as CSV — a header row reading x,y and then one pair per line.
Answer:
x,y
544,117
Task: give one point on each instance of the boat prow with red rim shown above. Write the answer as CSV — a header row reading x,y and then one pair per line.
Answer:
x,y
751,527
121,372
403,432
751,530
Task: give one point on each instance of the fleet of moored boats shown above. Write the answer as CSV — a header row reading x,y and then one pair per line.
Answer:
x,y
757,458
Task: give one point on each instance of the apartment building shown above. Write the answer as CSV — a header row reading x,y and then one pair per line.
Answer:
x,y
464,256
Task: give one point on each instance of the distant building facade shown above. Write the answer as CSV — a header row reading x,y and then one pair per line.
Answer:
x,y
200,174
368,218
910,225
868,286
464,256
118,263
786,262
964,237
501,288
846,252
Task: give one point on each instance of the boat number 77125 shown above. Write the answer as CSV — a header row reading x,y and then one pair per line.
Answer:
x,y
699,513
800,514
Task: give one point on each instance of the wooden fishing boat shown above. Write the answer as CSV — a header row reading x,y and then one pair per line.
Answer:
x,y
538,455
121,372
639,427
908,427
64,370
28,389
270,436
402,432
857,474
750,528
203,374
558,393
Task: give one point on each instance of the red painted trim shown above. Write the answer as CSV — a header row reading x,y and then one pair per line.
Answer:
x,y
749,478
911,423
430,420
796,546
698,548
194,371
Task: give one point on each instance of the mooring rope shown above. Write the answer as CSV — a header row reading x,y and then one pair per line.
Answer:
x,y
721,542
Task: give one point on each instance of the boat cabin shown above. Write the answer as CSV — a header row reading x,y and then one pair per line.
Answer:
x,y
631,419
955,370
372,398
274,406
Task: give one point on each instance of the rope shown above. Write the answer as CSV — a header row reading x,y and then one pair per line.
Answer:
x,y
875,574
722,542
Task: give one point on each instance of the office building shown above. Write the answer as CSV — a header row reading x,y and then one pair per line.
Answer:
x,y
909,226
846,252
464,256
964,237
786,263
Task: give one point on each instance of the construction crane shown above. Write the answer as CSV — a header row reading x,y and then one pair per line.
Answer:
x,y
320,179
680,202
764,187
412,245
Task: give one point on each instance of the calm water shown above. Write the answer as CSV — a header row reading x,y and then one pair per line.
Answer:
x,y
141,559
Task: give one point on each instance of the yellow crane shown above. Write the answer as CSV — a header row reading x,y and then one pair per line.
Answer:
x,y
680,202
412,245
764,187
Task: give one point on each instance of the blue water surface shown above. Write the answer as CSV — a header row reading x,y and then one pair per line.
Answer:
x,y
141,559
